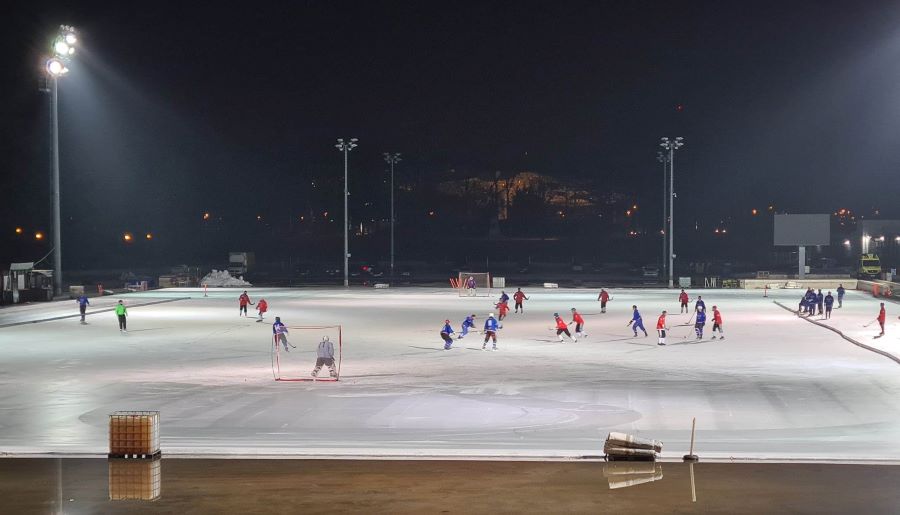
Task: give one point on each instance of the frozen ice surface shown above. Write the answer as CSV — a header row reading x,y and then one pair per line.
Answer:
x,y
776,388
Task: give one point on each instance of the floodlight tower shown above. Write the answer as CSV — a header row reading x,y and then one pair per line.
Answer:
x,y
63,50
392,159
663,158
346,147
671,146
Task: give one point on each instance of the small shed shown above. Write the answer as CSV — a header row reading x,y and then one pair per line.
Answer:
x,y
23,283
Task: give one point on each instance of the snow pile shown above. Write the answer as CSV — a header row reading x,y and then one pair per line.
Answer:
x,y
218,278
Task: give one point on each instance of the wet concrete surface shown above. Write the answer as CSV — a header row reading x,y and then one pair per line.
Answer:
x,y
185,486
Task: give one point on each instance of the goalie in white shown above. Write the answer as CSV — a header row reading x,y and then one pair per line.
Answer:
x,y
325,356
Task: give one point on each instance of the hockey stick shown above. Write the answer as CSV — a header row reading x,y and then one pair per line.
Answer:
x,y
870,323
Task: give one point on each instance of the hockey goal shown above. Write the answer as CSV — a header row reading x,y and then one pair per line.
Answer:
x,y
482,284
300,360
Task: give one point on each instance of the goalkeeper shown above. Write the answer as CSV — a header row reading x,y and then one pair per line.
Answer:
x,y
325,356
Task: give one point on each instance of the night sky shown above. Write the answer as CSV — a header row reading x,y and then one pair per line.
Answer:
x,y
172,109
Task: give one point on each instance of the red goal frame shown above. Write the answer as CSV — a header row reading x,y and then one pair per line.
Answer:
x,y
276,355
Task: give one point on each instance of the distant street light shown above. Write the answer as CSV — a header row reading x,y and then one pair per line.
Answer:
x,y
63,49
392,159
671,146
346,147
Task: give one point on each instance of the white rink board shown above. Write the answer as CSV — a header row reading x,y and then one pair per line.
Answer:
x,y
776,388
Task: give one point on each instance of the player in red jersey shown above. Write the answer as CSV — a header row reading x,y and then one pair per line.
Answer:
x,y
661,328
578,320
519,296
717,323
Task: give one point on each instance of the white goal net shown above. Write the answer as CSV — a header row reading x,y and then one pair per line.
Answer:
x,y
474,284
308,353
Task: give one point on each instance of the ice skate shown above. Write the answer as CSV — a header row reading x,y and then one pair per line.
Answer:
x,y
494,348
484,347
660,343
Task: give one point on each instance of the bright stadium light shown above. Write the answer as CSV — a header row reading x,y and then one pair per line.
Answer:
x,y
56,68
671,146
392,159
64,48
346,147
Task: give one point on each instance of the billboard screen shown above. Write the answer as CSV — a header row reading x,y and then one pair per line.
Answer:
x,y
797,230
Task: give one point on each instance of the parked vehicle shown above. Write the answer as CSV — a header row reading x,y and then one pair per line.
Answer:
x,y
650,271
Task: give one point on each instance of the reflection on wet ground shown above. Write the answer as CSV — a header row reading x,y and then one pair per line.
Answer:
x,y
183,486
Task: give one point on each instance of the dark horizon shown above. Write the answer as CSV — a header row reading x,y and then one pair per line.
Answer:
x,y
170,112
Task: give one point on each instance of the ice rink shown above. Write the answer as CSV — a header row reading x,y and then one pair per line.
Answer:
x,y
776,388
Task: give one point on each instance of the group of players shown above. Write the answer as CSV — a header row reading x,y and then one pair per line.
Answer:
x,y
324,351
812,300
698,318
492,325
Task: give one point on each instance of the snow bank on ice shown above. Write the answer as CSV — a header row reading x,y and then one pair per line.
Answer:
x,y
223,278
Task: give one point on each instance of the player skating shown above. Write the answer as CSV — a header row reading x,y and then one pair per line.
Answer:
x,y
518,297
281,332
717,323
468,323
446,331
661,328
882,316
810,302
698,325
820,302
470,286
502,311
490,331
829,304
683,300
122,314
841,291
562,328
324,356
637,322
699,305
243,301
603,298
261,307
83,303
578,320
503,297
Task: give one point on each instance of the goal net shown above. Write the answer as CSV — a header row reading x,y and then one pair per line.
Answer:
x,y
474,284
305,354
